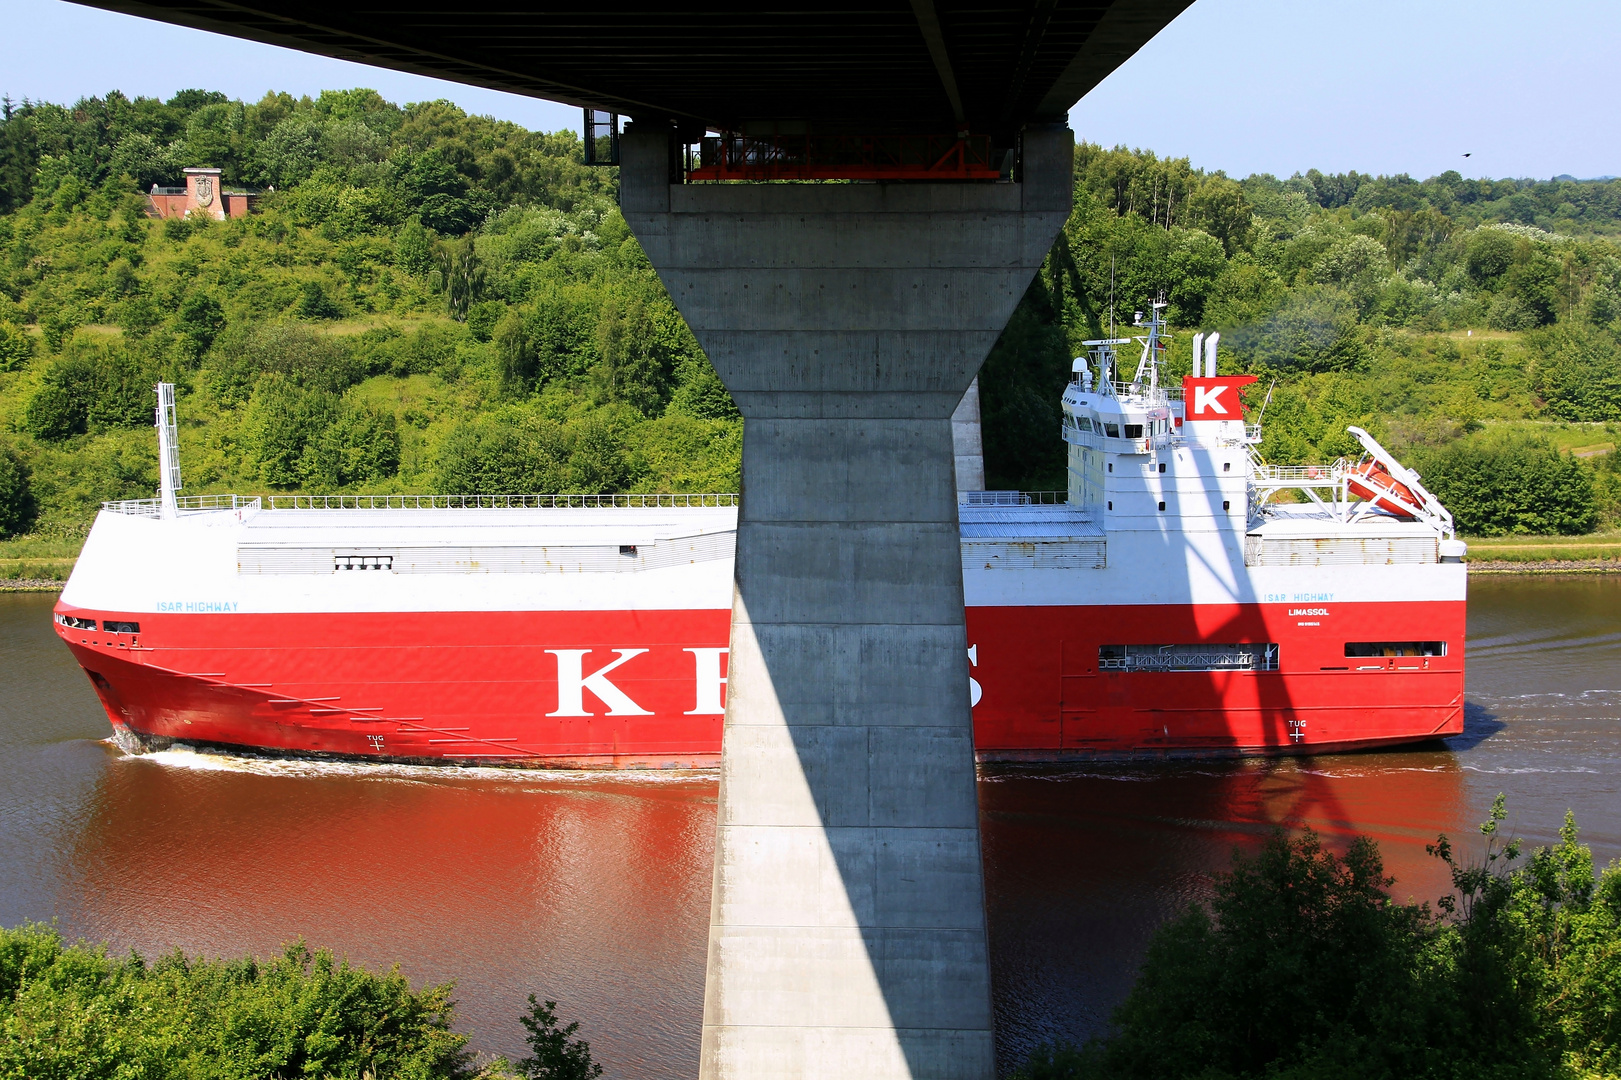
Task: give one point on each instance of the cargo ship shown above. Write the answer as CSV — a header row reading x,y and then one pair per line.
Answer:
x,y
1172,602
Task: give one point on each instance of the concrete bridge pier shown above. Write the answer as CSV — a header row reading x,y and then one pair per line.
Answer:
x,y
847,933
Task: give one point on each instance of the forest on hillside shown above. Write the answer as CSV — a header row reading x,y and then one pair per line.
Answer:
x,y
426,301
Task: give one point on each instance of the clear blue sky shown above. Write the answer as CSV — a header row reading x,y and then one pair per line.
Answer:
x,y
1528,89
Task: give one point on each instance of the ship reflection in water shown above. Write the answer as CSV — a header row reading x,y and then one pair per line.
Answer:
x,y
596,891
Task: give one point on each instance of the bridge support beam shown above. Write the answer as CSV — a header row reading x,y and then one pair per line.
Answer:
x,y
847,933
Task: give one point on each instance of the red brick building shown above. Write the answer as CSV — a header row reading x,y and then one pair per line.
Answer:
x,y
203,194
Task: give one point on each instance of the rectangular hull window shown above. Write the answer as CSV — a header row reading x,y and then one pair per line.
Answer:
x,y
1210,657
1395,648
362,562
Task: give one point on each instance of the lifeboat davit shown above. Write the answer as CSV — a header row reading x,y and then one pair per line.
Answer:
x,y
1372,481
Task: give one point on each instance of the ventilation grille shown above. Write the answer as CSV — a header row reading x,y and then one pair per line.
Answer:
x,y
1340,551
469,559
1035,555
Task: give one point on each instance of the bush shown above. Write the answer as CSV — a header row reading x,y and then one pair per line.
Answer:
x,y
280,422
245,352
1576,373
488,457
314,303
72,1011
361,445
1511,483
1304,967
90,388
16,347
17,507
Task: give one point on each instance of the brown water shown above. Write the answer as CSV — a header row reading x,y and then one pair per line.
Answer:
x,y
595,892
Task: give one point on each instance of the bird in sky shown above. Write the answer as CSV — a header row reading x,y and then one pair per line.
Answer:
x,y
1466,155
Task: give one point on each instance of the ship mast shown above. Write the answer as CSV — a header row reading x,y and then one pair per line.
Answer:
x,y
168,452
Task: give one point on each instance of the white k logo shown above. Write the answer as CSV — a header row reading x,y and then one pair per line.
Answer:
x,y
1208,398
571,684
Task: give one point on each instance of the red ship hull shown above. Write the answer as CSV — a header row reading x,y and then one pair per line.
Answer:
x,y
496,687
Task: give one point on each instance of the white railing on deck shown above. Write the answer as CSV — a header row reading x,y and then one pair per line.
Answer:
x,y
1141,394
154,507
1303,475
1012,498
493,502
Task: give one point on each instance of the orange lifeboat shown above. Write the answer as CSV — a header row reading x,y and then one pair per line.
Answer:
x,y
1377,485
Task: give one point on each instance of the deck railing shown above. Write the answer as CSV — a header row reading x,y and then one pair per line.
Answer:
x,y
195,503
192,503
1012,498
495,502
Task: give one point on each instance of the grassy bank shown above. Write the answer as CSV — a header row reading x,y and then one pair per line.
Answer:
x,y
1528,551
38,558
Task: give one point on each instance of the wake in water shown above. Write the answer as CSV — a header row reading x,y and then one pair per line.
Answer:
x,y
181,756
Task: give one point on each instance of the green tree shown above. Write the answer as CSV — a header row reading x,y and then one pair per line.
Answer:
x,y
360,446
73,1011
556,1053
314,303
200,320
16,347
412,249
17,506
1576,373
1020,386
1303,966
1219,208
280,423
524,455
1511,483
1489,254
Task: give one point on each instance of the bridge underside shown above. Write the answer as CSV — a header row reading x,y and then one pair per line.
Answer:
x,y
847,933
929,65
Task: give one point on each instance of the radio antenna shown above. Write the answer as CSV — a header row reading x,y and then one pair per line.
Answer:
x,y
1111,296
1268,401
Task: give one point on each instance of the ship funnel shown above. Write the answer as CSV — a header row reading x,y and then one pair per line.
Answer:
x,y
1198,355
168,452
1210,355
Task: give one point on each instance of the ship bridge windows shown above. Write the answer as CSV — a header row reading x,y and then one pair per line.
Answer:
x,y
1395,648
1259,656
1085,422
76,623
1112,430
1134,431
115,627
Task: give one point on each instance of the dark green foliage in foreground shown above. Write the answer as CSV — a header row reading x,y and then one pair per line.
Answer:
x,y
1511,483
1020,387
16,494
1303,966
558,1055
71,1011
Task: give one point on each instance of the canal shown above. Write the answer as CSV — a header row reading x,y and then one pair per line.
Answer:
x,y
594,891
